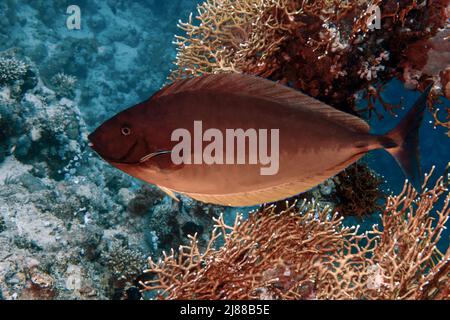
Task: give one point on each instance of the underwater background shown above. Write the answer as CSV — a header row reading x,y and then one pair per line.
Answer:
x,y
71,226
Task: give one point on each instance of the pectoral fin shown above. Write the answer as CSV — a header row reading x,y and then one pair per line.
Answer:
x,y
169,192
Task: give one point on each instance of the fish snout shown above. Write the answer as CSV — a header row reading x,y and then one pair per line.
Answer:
x,y
115,148
95,142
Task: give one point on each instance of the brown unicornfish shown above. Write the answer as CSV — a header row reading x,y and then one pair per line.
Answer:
x,y
315,141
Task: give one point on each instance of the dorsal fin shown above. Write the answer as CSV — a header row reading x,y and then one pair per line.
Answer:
x,y
241,84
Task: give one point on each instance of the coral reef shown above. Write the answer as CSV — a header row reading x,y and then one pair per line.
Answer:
x,y
305,253
144,199
64,85
38,128
172,222
326,49
56,214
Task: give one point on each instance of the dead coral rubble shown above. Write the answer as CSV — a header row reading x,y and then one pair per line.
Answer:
x,y
305,253
326,49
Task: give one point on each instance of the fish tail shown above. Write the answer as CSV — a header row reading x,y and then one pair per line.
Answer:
x,y
402,142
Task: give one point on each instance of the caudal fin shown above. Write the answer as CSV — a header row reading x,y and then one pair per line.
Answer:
x,y
403,141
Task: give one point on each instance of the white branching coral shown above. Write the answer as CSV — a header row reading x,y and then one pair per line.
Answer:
x,y
11,69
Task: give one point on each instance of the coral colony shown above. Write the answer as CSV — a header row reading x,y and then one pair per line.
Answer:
x,y
73,227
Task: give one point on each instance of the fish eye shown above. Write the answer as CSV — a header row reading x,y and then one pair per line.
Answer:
x,y
126,131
